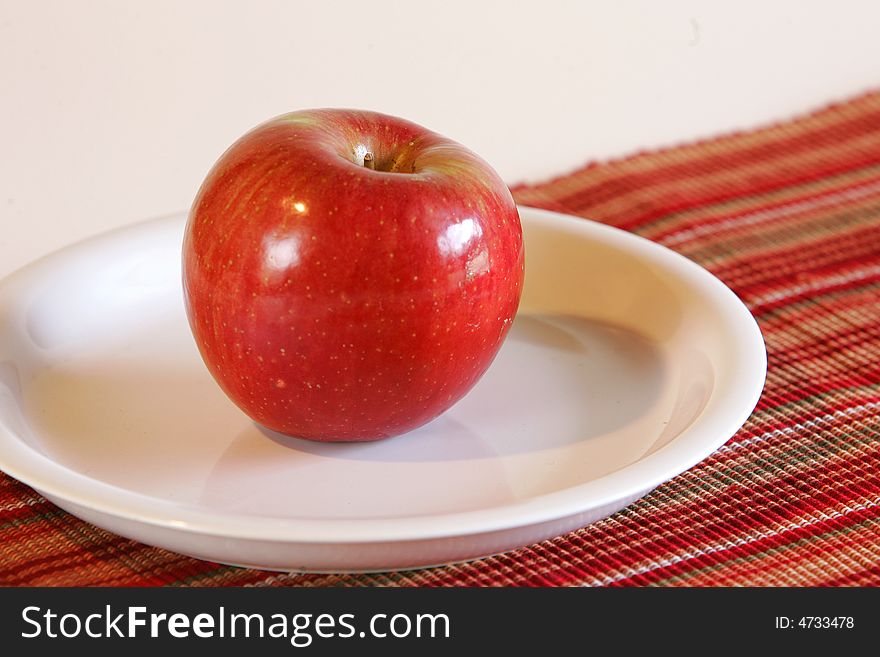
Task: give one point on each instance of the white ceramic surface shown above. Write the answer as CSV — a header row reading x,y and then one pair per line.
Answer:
x,y
626,365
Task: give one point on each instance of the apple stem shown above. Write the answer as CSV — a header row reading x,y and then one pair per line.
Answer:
x,y
369,161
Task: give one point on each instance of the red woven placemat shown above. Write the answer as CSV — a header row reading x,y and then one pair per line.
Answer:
x,y
789,217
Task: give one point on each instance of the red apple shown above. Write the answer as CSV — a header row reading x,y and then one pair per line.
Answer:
x,y
350,275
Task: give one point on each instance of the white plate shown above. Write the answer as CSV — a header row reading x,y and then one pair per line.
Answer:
x,y
626,365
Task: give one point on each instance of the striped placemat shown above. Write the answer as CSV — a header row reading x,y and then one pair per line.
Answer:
x,y
789,217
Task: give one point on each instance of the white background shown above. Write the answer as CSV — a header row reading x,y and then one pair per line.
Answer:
x,y
114,111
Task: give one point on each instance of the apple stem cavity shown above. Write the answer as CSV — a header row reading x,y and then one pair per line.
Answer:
x,y
369,161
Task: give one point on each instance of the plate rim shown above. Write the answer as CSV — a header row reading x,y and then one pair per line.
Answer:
x,y
49,477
